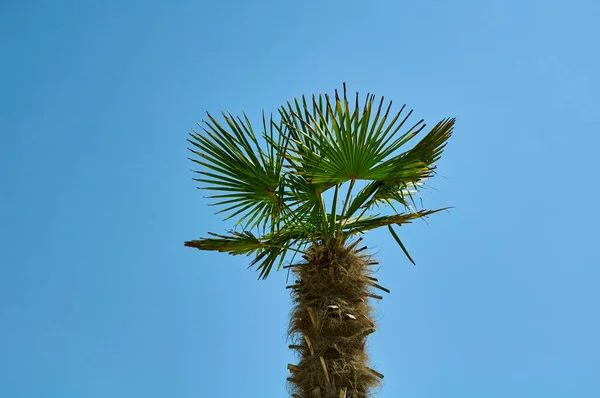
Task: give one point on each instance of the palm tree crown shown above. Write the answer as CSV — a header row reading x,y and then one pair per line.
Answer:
x,y
293,186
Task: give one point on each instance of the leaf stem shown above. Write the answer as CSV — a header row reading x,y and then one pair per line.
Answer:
x,y
352,181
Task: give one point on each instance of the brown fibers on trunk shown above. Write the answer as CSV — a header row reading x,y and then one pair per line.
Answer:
x,y
330,322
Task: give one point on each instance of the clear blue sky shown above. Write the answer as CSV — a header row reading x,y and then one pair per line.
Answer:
x,y
98,296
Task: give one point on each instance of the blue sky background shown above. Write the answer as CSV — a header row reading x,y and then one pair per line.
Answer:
x,y
98,296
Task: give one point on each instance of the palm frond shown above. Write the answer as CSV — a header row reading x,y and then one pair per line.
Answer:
x,y
332,144
367,223
268,249
406,171
234,163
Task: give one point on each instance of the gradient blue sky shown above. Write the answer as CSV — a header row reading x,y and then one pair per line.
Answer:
x,y
98,296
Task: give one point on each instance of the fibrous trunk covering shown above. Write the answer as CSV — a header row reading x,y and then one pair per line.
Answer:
x,y
331,321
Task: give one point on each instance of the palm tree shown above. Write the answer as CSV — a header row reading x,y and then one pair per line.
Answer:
x,y
293,192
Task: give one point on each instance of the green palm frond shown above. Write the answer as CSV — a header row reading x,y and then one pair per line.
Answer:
x,y
368,223
248,177
269,249
407,171
333,144
236,243
294,187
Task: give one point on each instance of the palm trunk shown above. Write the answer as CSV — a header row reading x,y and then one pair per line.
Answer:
x,y
330,322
